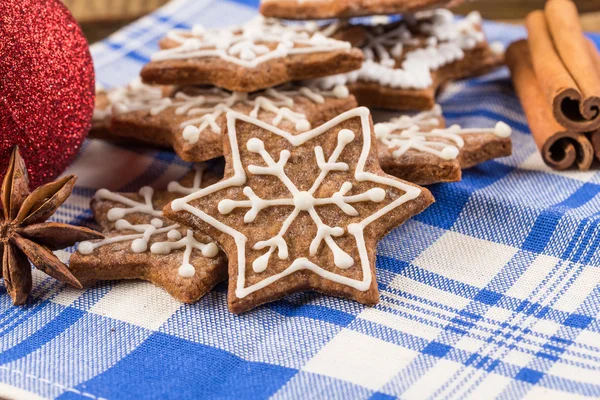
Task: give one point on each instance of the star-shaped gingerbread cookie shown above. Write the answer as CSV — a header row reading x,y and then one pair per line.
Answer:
x,y
191,119
409,60
260,54
300,211
420,149
142,244
329,9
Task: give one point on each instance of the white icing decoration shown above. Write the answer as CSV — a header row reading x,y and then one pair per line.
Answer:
x,y
189,243
414,133
446,43
251,44
176,187
101,115
145,232
302,201
497,47
502,130
117,213
206,105
381,19
133,97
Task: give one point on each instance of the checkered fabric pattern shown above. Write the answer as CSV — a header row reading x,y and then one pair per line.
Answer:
x,y
493,292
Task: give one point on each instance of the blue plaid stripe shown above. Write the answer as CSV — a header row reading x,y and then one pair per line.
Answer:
x,y
494,291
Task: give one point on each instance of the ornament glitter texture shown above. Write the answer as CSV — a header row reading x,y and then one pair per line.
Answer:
x,y
46,86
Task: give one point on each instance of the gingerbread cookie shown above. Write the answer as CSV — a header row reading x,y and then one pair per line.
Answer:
x,y
407,61
102,112
300,211
141,243
255,56
106,100
421,150
190,120
329,9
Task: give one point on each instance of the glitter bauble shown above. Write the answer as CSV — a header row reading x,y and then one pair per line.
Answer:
x,y
46,86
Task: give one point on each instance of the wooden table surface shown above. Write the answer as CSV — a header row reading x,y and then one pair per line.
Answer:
x,y
514,11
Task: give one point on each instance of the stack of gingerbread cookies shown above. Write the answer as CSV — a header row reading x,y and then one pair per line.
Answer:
x,y
302,197
200,75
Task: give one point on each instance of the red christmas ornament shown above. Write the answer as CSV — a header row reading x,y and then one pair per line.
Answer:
x,y
46,86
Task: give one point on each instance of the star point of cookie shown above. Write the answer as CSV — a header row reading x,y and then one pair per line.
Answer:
x,y
407,61
328,9
191,119
300,211
257,55
142,244
421,149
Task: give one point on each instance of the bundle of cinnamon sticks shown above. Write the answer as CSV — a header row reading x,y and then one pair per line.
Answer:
x,y
556,73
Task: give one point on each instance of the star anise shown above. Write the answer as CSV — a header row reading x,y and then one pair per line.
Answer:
x,y
24,234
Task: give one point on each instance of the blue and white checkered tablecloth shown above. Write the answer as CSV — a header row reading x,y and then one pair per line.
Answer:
x,y
493,292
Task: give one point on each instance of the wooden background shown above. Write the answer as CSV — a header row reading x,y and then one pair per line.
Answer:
x,y
514,11
99,18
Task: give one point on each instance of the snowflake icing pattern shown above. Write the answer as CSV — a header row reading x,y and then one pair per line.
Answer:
x,y
301,201
145,232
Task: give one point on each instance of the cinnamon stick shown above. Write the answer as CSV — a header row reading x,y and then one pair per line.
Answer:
x,y
595,139
566,65
595,136
594,54
560,148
